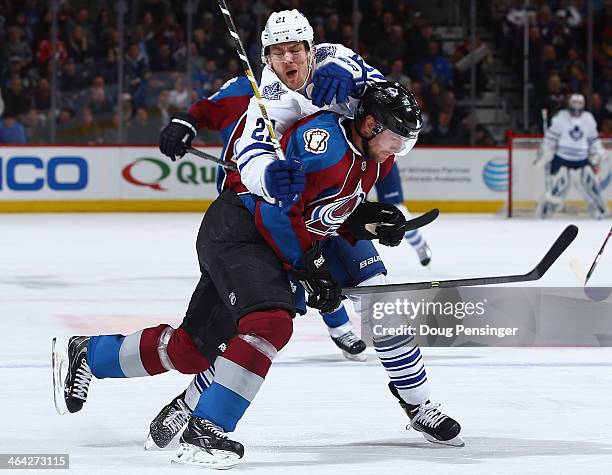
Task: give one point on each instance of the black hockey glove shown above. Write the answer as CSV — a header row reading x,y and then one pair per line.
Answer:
x,y
177,135
323,291
382,221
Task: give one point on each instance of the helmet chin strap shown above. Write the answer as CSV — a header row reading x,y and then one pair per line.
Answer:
x,y
310,70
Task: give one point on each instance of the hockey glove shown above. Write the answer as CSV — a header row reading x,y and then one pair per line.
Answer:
x,y
336,78
284,179
323,291
177,135
382,221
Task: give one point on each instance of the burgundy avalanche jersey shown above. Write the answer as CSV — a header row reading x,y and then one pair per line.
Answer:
x,y
338,178
225,112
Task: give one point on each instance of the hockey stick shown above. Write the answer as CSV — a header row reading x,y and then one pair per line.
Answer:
x,y
212,158
588,276
411,224
249,74
559,246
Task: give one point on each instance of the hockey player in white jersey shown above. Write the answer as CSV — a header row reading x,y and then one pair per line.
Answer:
x,y
572,152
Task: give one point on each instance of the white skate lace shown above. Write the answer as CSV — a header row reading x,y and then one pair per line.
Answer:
x,y
81,381
177,418
429,415
348,339
215,429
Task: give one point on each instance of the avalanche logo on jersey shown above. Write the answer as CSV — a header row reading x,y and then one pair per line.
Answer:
x,y
576,133
273,92
315,140
328,217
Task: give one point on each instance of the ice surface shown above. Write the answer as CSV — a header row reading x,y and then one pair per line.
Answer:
x,y
541,410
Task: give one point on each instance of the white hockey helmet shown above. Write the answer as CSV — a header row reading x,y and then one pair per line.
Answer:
x,y
575,104
286,26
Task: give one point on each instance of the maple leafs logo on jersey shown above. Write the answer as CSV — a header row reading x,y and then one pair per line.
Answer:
x,y
315,140
323,52
576,133
273,92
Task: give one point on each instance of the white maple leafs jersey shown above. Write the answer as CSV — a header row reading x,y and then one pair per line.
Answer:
x,y
254,150
574,138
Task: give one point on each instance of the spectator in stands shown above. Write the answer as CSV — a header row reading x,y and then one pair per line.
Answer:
x,y
136,75
16,70
333,30
36,126
88,130
555,98
103,38
16,99
397,73
72,79
66,126
78,46
442,132
81,19
482,136
100,102
233,69
141,130
348,38
205,78
11,131
179,96
15,45
42,95
163,60
441,66
390,48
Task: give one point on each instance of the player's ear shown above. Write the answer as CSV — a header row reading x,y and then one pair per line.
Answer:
x,y
369,124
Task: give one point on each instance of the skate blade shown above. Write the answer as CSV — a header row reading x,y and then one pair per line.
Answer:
x,y
151,445
188,454
456,441
358,357
59,358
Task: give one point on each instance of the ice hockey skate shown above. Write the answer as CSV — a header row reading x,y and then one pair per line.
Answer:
x,y
205,444
353,348
435,426
424,254
168,423
71,373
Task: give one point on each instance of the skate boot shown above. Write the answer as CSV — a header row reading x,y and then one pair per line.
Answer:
x,y
424,254
353,348
71,373
206,445
435,426
168,423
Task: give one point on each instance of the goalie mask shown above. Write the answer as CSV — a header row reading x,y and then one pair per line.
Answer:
x,y
284,27
397,115
576,104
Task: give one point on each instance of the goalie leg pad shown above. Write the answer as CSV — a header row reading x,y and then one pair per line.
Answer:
x,y
557,187
588,186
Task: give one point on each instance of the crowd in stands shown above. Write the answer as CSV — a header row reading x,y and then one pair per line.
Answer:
x,y
393,36
558,51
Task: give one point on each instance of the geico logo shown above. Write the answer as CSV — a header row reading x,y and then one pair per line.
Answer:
x,y
31,173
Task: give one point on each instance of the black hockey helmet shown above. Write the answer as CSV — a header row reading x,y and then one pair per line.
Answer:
x,y
393,106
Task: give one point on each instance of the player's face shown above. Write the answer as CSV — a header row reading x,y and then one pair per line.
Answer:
x,y
386,143
290,62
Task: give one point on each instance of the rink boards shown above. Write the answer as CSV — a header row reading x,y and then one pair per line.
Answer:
x,y
82,178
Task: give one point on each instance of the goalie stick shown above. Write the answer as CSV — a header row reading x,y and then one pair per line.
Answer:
x,y
559,246
212,158
588,276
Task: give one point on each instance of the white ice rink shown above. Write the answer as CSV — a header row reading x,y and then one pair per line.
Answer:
x,y
539,410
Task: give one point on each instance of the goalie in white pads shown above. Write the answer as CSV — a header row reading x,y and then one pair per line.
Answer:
x,y
572,152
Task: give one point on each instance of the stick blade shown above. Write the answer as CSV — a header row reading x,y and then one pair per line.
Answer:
x,y
561,244
423,220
